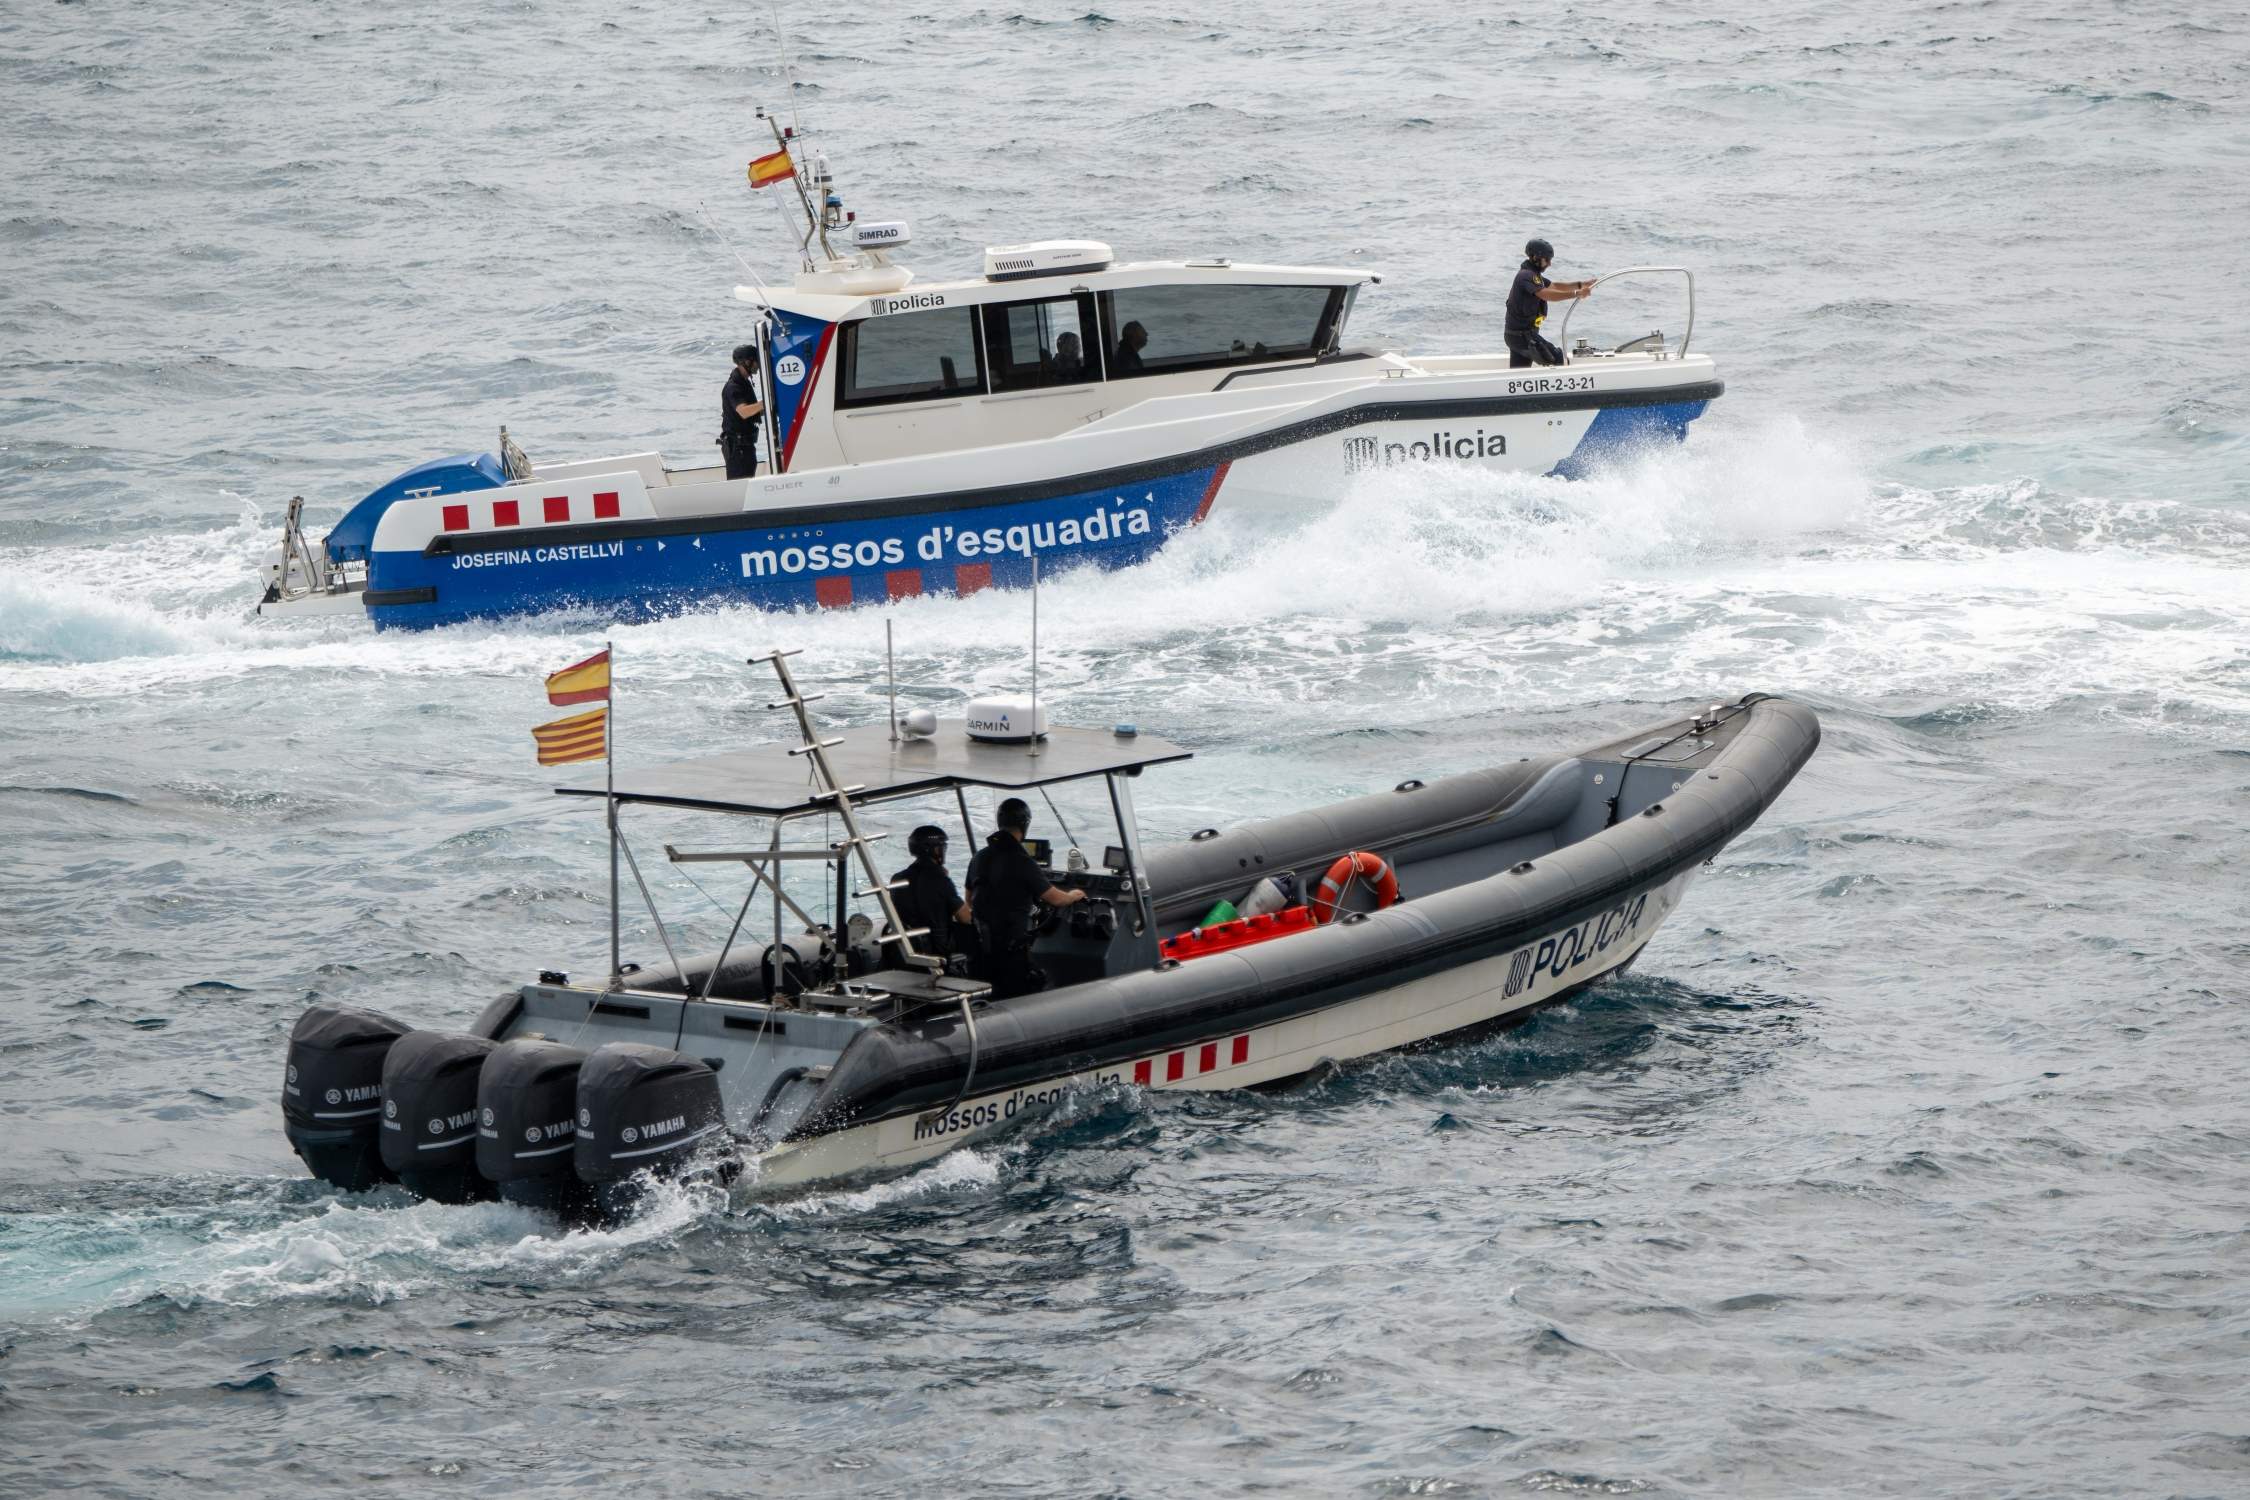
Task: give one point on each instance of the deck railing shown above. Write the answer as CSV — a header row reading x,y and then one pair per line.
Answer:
x,y
1562,335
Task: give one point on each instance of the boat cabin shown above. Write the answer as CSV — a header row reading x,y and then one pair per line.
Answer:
x,y
1052,337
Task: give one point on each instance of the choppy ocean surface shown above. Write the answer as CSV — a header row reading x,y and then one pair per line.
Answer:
x,y
1914,1158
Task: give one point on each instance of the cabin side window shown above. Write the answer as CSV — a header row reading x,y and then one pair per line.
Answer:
x,y
1155,330
1048,342
917,356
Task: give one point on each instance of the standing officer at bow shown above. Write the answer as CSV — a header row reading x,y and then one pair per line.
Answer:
x,y
1527,307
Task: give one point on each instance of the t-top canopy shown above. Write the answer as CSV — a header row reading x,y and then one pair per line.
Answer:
x,y
767,781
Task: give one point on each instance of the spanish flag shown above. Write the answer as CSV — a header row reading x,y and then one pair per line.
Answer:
x,y
768,170
579,737
581,682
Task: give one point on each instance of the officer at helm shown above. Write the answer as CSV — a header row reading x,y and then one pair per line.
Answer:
x,y
1527,307
930,899
1006,886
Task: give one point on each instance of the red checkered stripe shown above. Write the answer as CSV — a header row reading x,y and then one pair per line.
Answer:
x,y
840,592
547,510
1191,1062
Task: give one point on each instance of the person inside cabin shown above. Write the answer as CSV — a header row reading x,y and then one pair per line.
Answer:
x,y
1130,342
1070,359
930,899
1006,886
739,410
1527,307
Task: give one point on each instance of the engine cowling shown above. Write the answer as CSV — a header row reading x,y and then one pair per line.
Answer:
x,y
332,1094
430,1115
642,1110
527,1123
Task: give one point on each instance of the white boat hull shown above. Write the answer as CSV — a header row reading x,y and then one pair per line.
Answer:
x,y
630,537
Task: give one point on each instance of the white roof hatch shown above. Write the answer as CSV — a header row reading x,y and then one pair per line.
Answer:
x,y
1045,258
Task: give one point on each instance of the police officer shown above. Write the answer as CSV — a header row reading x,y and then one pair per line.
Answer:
x,y
930,899
1005,886
1130,342
739,410
1527,307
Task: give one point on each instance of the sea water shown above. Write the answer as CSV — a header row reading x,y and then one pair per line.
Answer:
x,y
1911,1158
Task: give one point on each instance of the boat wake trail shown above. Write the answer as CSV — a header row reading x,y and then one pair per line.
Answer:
x,y
179,594
45,619
277,1243
1767,548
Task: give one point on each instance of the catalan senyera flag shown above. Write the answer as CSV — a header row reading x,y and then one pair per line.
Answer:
x,y
581,682
580,737
768,170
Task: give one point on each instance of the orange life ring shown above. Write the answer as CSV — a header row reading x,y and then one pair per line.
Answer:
x,y
1357,865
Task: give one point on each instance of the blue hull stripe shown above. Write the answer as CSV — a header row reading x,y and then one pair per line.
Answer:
x,y
814,562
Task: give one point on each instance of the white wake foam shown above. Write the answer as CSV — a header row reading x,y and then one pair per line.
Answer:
x,y
1764,550
373,1250
965,1169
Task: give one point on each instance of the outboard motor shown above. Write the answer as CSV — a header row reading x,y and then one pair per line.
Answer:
x,y
332,1096
430,1115
641,1110
527,1118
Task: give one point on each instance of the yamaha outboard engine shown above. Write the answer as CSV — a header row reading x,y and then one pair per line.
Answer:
x,y
641,1110
527,1118
430,1115
332,1099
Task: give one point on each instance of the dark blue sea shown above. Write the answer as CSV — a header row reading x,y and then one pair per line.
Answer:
x,y
1912,1159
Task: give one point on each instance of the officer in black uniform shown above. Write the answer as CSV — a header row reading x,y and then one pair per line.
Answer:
x,y
1527,307
1005,886
739,410
930,899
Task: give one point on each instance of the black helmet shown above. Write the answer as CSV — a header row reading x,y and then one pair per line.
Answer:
x,y
926,842
1538,250
746,354
1015,813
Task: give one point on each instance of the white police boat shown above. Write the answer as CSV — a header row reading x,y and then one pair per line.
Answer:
x,y
932,437
836,1046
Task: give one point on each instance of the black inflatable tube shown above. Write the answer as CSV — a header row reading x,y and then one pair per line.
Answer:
x,y
887,1072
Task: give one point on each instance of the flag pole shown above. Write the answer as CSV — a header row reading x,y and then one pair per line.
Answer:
x,y
609,796
1034,750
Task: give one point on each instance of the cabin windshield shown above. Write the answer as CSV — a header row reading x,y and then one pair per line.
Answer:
x,y
1155,330
1068,338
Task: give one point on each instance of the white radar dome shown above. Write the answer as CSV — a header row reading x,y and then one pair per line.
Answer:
x,y
884,236
1007,719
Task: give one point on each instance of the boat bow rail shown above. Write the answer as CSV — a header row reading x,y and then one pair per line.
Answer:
x,y
1653,344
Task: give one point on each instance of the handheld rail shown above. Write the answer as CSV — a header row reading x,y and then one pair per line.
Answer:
x,y
832,790
1562,334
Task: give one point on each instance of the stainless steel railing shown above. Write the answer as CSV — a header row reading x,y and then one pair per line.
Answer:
x,y
1562,335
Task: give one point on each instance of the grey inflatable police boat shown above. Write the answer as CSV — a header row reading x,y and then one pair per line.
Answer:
x,y
836,1045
